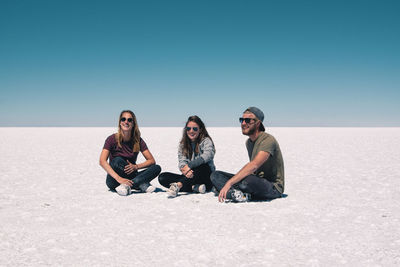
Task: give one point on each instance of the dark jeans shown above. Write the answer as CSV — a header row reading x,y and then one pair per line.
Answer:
x,y
118,164
258,188
201,175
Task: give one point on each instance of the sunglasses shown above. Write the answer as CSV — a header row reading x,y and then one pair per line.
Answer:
x,y
246,120
195,129
124,119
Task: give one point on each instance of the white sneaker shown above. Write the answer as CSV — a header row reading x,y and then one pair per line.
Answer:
x,y
146,187
173,190
199,188
150,189
123,190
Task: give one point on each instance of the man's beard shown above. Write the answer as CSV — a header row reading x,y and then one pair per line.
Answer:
x,y
251,130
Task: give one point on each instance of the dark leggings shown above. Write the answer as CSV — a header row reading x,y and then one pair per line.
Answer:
x,y
259,188
118,164
201,175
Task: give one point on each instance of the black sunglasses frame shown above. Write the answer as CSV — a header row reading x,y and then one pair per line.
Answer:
x,y
247,120
123,119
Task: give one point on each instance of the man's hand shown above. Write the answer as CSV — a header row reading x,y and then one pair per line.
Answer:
x,y
130,168
223,192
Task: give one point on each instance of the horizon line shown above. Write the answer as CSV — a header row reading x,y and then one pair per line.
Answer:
x,y
297,126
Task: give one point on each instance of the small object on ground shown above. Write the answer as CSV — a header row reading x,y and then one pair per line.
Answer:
x,y
239,196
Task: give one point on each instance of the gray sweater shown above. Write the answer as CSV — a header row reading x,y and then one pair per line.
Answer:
x,y
206,155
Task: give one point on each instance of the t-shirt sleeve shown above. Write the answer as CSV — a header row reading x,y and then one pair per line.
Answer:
x,y
109,143
143,146
268,145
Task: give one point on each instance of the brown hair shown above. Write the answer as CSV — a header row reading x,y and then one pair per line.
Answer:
x,y
135,133
185,142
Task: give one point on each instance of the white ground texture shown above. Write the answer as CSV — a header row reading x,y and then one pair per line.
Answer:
x,y
342,205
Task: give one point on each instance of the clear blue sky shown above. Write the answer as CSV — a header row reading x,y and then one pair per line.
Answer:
x,y
304,63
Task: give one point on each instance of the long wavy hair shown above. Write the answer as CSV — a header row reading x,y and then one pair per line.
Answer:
x,y
185,142
135,133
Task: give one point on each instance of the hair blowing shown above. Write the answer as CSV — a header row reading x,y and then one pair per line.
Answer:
x,y
135,133
186,142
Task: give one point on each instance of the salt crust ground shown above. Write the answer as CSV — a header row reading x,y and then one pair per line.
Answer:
x,y
342,205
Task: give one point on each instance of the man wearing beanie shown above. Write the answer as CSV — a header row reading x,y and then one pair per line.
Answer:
x,y
261,178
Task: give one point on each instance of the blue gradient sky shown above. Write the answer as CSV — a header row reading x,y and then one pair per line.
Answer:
x,y
304,63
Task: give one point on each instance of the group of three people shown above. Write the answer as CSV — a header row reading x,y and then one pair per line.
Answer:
x,y
260,179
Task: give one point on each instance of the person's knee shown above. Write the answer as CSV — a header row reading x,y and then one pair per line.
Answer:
x,y
243,185
214,176
156,169
162,179
250,184
152,171
203,168
118,162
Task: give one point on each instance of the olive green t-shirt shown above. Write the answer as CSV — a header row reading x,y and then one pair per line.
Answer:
x,y
272,169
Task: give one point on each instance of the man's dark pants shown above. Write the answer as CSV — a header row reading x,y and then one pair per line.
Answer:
x,y
259,188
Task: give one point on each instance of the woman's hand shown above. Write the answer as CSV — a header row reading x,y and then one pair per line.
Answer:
x,y
187,171
189,174
106,166
130,168
125,181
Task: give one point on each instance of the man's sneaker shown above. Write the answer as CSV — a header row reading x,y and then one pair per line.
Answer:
x,y
146,187
239,196
123,190
199,188
173,190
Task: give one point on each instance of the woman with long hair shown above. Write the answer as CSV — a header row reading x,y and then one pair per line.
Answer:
x,y
196,161
122,149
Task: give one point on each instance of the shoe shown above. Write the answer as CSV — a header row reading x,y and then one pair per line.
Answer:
x,y
199,188
239,196
150,189
147,188
123,190
173,190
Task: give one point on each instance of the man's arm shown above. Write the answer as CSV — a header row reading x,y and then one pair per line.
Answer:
x,y
248,169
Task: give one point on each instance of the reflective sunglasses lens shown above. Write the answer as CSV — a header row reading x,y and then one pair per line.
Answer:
x,y
190,128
